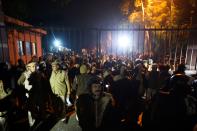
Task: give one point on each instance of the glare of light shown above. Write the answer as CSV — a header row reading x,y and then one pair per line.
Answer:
x,y
123,41
57,43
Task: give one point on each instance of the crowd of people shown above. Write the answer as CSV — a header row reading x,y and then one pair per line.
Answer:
x,y
90,93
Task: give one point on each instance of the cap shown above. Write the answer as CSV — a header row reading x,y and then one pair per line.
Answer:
x,y
83,69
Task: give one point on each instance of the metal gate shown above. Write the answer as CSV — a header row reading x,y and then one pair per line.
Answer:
x,y
164,45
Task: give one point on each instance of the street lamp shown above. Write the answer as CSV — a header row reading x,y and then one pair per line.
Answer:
x,y
124,41
57,43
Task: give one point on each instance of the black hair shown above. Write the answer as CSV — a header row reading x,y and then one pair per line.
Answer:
x,y
94,80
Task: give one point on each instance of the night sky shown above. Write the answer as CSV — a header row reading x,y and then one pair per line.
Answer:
x,y
58,20
77,13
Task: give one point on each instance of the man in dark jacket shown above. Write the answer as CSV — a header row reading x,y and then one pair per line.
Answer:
x,y
95,110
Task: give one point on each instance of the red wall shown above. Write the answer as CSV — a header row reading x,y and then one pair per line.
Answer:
x,y
25,36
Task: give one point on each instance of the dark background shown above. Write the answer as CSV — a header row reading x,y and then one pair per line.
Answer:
x,y
67,20
70,13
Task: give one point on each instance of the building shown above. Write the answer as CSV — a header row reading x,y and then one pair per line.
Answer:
x,y
24,41
3,38
19,40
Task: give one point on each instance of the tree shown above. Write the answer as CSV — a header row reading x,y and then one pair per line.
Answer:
x,y
159,12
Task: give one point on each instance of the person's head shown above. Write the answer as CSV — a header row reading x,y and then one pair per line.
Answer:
x,y
93,70
20,62
181,68
106,73
110,57
123,70
94,84
40,59
55,65
42,66
139,67
76,65
31,66
34,58
83,69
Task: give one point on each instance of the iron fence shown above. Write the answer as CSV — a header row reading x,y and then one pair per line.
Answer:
x,y
164,45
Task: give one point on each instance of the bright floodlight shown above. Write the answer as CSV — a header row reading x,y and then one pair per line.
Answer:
x,y
123,41
57,43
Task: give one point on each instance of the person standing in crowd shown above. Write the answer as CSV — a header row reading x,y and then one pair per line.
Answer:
x,y
153,82
23,79
20,68
24,82
59,82
2,90
181,70
175,109
125,93
122,74
108,81
6,76
80,81
164,75
96,109
3,94
73,71
139,73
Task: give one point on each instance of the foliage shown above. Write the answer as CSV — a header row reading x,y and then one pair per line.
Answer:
x,y
127,6
159,12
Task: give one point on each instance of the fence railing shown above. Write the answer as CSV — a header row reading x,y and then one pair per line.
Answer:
x,y
165,45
